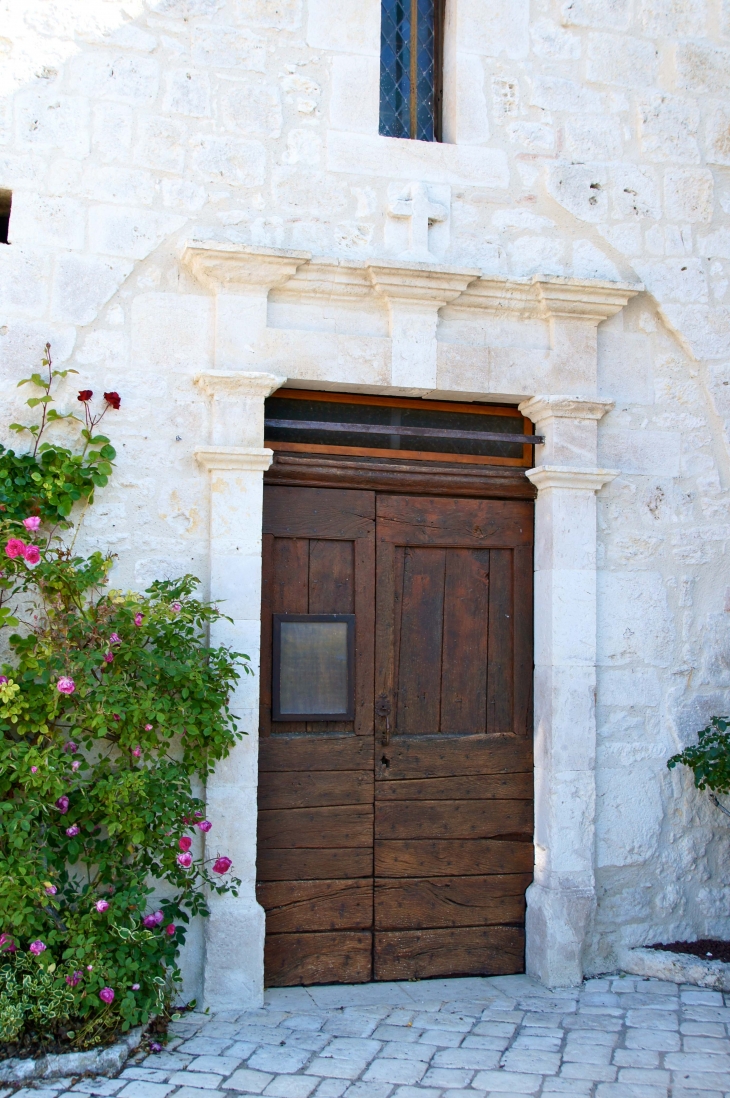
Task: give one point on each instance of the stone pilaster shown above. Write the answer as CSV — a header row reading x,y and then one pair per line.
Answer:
x,y
236,461
561,899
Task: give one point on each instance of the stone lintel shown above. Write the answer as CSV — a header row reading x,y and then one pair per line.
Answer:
x,y
233,268
561,476
249,459
418,284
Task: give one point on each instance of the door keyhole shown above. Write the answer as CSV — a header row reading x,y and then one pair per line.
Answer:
x,y
382,710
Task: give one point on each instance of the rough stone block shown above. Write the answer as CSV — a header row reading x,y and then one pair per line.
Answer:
x,y
253,109
689,194
230,161
634,192
161,144
499,29
46,120
673,18
122,77
580,188
668,127
187,92
125,231
83,284
331,26
221,47
681,280
611,14
718,136
620,59
703,67
593,137
277,14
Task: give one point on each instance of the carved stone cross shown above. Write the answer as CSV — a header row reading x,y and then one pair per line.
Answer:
x,y
422,212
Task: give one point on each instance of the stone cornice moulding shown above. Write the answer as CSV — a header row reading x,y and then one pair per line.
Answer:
x,y
248,459
539,408
246,383
562,476
232,268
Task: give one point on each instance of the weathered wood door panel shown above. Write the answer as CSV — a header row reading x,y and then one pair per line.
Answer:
x,y
452,683
399,845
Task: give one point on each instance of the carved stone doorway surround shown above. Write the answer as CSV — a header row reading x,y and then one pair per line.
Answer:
x,y
250,363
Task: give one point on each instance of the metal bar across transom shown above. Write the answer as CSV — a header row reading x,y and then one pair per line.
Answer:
x,y
387,429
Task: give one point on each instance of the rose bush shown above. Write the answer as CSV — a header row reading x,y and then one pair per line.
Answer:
x,y
112,708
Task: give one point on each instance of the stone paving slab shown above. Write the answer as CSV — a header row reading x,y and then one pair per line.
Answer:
x,y
503,1037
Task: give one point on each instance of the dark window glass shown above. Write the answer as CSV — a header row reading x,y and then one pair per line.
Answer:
x,y
313,666
322,412
5,201
410,69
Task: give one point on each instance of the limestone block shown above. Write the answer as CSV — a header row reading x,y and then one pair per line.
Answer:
x,y
565,703
564,823
590,262
680,280
221,47
627,826
553,93
44,221
581,189
354,93
24,281
565,537
704,331
16,170
668,127
465,115
715,245
593,137
187,92
172,332
253,109
624,367
634,686
180,195
229,160
346,29
533,137
718,136
673,18
300,192
552,42
431,162
82,284
570,636
125,231
556,925
537,255
689,194
47,121
22,343
500,28
611,14
278,14
620,59
185,9
161,144
105,75
704,68
111,131
113,183
127,37
624,238
643,632
634,191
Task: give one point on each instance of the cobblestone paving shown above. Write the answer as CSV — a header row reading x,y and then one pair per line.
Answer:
x,y
613,1038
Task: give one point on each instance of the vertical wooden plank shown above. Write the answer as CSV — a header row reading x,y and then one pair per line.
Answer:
x,y
419,669
523,650
289,595
500,667
331,577
466,621
364,602
267,578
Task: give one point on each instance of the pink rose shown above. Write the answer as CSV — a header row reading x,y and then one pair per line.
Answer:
x,y
101,906
51,890
155,1046
32,523
135,987
116,717
158,918
107,995
176,607
185,843
115,639
222,865
138,619
152,920
204,825
75,765
148,728
62,804
108,657
74,978
7,944
65,685
15,548
137,751
73,831
32,554
70,747
185,860
34,769
3,680
37,947
170,930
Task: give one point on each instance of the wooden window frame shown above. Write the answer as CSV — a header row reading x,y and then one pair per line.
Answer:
x,y
276,714
526,461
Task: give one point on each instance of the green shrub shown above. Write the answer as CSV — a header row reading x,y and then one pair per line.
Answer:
x,y
709,759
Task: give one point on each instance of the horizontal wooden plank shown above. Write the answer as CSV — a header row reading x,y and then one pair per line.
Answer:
x,y
452,819
450,901
314,865
447,757
314,751
469,951
321,958
465,523
318,513
315,789
294,906
313,828
451,857
482,787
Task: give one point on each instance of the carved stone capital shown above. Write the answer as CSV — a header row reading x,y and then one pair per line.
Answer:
x,y
249,459
237,268
561,476
245,384
419,284
539,408
579,299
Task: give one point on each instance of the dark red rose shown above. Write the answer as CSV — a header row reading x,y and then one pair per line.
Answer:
x,y
84,395
114,399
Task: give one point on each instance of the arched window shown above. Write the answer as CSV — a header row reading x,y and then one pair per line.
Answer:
x,y
411,64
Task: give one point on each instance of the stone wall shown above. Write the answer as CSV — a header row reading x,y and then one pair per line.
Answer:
x,y
588,138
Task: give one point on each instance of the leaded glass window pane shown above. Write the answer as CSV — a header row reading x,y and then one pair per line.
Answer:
x,y
410,69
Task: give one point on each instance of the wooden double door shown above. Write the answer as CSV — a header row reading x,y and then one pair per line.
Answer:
x,y
398,844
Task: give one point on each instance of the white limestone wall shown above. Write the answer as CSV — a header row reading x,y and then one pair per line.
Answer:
x,y
586,138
